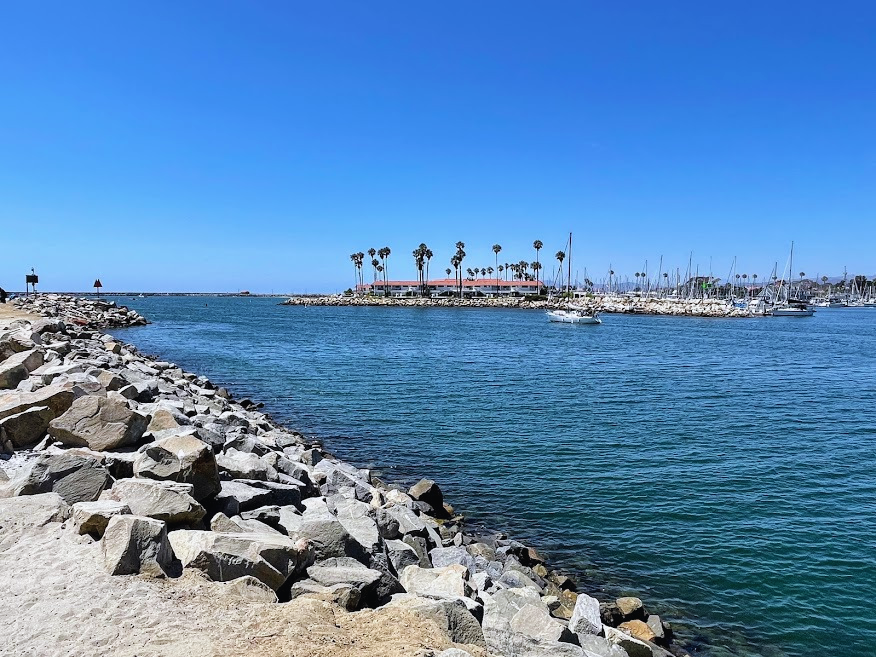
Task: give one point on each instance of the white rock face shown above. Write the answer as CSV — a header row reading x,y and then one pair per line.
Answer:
x,y
585,617
447,582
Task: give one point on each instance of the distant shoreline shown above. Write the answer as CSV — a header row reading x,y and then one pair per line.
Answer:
x,y
717,308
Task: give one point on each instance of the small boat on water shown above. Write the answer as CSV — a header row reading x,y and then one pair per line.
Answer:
x,y
573,316
792,309
784,303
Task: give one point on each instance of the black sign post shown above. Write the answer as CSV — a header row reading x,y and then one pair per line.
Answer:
x,y
30,281
97,286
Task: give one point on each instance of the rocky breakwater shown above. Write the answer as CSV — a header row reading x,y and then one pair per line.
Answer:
x,y
678,307
167,473
598,303
81,311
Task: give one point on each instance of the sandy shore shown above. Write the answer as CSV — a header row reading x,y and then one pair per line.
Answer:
x,y
58,600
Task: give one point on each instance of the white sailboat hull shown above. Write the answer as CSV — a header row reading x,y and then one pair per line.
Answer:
x,y
792,312
572,317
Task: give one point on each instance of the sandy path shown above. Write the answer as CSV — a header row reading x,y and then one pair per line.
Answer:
x,y
57,601
8,312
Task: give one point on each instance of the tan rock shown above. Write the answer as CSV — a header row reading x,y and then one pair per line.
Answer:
x,y
631,608
639,630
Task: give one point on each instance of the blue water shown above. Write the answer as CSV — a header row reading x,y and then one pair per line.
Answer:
x,y
722,470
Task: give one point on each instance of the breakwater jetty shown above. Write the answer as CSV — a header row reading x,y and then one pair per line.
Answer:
x,y
123,471
605,304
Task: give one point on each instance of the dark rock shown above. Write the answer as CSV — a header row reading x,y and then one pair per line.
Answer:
x,y
427,491
75,478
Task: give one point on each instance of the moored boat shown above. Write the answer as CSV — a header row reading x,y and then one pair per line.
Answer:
x,y
573,316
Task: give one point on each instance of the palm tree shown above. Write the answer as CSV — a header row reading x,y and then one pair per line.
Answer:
x,y
496,249
429,255
448,271
371,253
354,258
560,255
610,274
460,256
536,266
374,263
523,267
419,260
384,254
417,255
537,245
666,280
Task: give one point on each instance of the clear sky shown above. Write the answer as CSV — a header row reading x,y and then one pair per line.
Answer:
x,y
217,146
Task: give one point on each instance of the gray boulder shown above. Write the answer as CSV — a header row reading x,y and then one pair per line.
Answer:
x,y
283,493
93,517
325,533
447,582
270,558
98,423
398,521
133,544
451,616
27,427
350,572
243,465
33,510
75,478
12,373
183,459
343,595
597,646
57,397
238,496
401,555
536,622
441,556
162,500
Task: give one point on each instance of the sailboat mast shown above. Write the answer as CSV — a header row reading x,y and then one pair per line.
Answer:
x,y
569,281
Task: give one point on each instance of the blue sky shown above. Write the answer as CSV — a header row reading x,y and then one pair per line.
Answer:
x,y
219,146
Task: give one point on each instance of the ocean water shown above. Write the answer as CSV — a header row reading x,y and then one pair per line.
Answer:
x,y
722,470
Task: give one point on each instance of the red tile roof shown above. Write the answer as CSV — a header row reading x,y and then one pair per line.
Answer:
x,y
450,282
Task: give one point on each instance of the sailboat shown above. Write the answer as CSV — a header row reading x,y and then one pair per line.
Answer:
x,y
790,307
572,314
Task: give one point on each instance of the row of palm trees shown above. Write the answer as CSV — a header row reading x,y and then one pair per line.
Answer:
x,y
422,256
379,266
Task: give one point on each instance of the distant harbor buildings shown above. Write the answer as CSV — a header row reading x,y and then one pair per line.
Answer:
x,y
448,287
